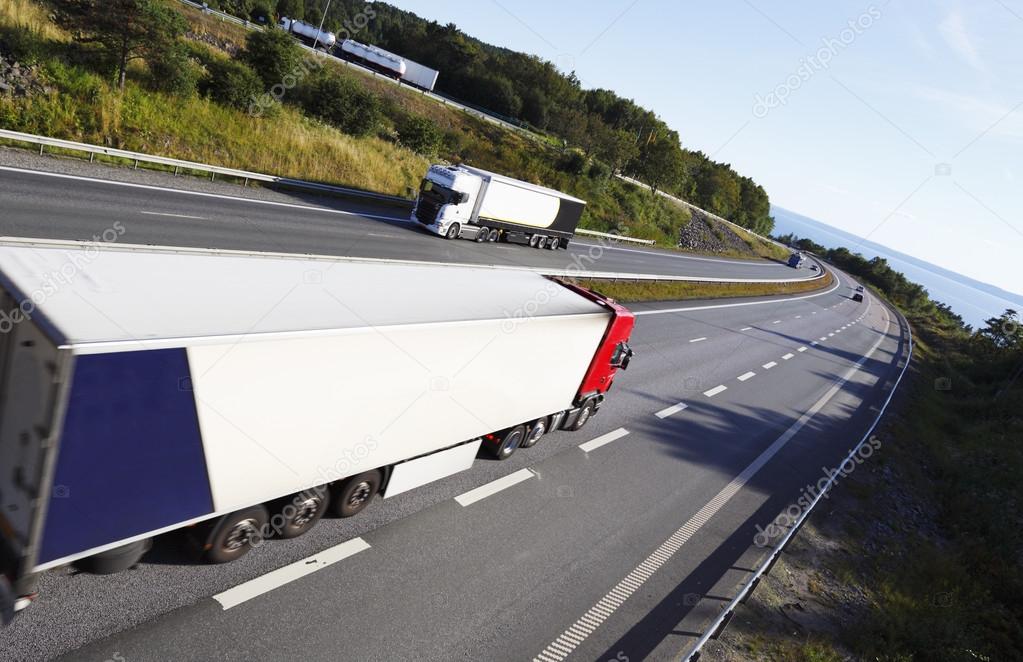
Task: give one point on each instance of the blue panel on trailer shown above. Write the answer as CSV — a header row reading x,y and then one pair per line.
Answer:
x,y
131,458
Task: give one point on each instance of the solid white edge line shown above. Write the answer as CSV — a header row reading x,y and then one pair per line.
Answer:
x,y
746,328
746,376
714,391
253,588
603,440
493,487
160,213
672,410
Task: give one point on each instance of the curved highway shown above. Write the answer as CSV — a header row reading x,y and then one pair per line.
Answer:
x,y
82,201
620,541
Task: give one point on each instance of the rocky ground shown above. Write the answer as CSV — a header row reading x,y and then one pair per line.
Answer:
x,y
20,80
704,235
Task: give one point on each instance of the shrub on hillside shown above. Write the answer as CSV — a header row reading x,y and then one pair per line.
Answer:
x,y
231,83
174,73
420,134
573,162
274,55
340,101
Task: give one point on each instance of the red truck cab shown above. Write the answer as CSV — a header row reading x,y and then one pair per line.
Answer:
x,y
613,354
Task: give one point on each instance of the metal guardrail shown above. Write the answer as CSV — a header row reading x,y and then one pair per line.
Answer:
x,y
614,237
721,622
179,165
221,15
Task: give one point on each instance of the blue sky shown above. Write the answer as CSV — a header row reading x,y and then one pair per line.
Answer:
x,y
900,121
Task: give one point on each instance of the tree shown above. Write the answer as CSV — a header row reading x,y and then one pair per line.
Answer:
x,y
293,9
343,103
231,83
126,30
420,134
274,55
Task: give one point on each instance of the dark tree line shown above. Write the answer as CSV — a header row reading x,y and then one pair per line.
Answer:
x,y
626,137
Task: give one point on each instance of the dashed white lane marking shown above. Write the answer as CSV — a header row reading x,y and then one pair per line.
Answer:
x,y
697,340
831,335
714,391
787,357
493,487
603,439
672,410
587,624
823,337
747,376
802,349
746,328
768,366
160,213
799,317
233,597
838,330
776,322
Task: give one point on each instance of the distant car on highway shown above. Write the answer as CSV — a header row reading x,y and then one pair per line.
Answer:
x,y
463,202
796,260
858,294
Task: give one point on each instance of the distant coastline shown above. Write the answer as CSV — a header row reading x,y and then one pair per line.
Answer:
x,y
973,299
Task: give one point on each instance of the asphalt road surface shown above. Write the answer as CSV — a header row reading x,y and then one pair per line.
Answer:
x,y
620,541
81,202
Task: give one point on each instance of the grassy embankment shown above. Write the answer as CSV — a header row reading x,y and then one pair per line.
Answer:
x,y
632,291
86,107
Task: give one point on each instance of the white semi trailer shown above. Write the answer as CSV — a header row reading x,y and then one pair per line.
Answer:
x,y
240,395
310,33
465,202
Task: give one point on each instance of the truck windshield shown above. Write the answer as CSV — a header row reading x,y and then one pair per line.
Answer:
x,y
440,194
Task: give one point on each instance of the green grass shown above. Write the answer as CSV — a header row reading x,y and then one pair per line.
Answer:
x,y
663,290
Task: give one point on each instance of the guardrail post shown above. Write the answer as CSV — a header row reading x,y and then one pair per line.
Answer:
x,y
212,176
92,156
136,165
41,149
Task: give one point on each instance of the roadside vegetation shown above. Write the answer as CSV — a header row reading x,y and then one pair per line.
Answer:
x,y
917,557
205,91
631,291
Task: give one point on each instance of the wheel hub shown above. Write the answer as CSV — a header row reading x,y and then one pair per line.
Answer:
x,y
240,534
360,494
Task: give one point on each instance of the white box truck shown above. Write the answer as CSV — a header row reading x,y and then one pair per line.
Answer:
x,y
144,390
465,202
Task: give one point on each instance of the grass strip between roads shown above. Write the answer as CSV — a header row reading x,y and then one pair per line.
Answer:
x,y
631,291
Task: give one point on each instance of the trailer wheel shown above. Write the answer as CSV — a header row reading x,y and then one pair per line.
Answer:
x,y
494,236
453,231
234,535
541,243
554,243
533,239
585,414
115,560
536,432
482,235
295,515
505,443
353,494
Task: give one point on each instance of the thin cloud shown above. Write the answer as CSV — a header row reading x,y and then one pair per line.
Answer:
x,y
953,30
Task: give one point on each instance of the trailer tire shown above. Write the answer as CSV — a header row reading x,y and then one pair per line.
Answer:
x,y
537,430
233,535
533,240
494,236
505,443
295,515
115,560
541,243
453,231
553,244
584,415
482,235
6,602
352,495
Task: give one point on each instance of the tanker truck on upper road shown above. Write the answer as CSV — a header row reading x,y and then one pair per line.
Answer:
x,y
470,203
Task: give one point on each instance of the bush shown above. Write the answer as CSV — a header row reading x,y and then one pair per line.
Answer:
x,y
274,55
599,170
231,83
342,102
23,45
572,162
174,73
420,134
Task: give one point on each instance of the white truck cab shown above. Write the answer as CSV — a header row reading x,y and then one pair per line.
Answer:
x,y
447,201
